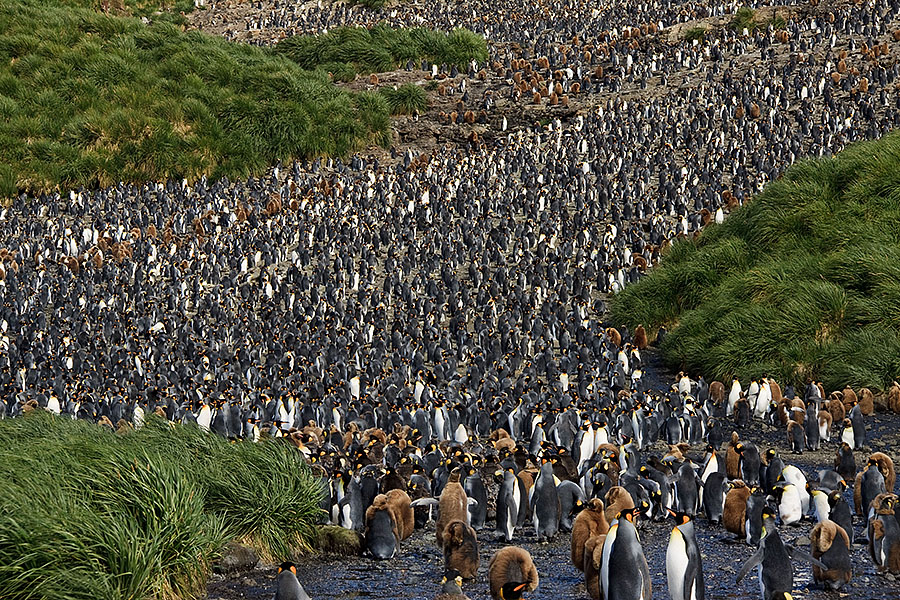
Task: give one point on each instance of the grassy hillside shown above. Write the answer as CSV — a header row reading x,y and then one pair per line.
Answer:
x,y
348,51
91,99
89,514
802,281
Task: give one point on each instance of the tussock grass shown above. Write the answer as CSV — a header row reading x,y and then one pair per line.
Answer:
x,y
803,281
745,18
406,99
92,99
348,51
86,513
694,33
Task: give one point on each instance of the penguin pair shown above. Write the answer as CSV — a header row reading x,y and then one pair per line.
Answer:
x,y
512,503
884,534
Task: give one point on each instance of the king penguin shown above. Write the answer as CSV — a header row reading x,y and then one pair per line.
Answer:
x,y
624,574
545,504
773,557
684,567
289,587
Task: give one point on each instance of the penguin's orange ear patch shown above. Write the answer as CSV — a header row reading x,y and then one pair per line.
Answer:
x,y
293,569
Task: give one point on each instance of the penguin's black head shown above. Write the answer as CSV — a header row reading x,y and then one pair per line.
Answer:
x,y
512,590
287,566
627,514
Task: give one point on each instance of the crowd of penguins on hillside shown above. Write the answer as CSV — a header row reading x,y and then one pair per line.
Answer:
x,y
712,120
416,325
594,472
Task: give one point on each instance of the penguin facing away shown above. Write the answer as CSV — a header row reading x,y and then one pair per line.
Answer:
x,y
831,544
773,558
289,587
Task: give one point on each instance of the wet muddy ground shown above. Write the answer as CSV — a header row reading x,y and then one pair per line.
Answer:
x,y
417,571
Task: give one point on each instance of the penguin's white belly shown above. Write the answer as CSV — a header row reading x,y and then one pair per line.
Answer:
x,y
676,566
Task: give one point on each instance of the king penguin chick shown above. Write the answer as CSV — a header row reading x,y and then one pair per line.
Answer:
x,y
289,587
511,573
684,567
590,522
831,544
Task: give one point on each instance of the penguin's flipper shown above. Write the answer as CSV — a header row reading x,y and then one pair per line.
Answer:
x,y
425,502
804,555
751,562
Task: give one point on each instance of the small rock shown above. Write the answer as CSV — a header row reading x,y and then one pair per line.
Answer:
x,y
235,558
802,541
248,582
890,577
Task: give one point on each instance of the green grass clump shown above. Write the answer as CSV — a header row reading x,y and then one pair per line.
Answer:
x,y
348,51
86,513
694,33
91,99
406,99
745,18
803,281
372,4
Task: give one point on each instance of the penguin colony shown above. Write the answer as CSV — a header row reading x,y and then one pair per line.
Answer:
x,y
598,466
428,330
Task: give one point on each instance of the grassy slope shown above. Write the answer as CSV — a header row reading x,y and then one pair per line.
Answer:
x,y
348,51
88,514
802,281
92,99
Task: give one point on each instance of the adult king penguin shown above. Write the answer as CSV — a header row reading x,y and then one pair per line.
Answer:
x,y
624,574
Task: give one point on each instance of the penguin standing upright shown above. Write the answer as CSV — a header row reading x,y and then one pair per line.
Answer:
x,y
545,506
884,534
714,491
684,567
510,506
474,488
624,574
773,557
289,587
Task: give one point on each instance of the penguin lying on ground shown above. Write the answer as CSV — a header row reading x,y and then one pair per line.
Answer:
x,y
451,587
512,573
